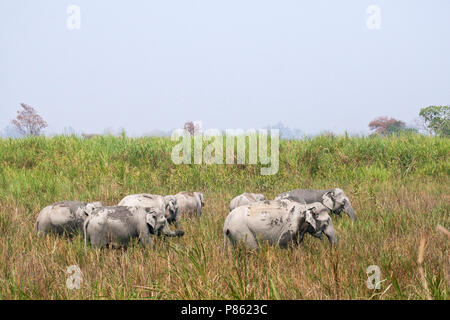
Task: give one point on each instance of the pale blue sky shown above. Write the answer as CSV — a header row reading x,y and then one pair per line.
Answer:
x,y
146,65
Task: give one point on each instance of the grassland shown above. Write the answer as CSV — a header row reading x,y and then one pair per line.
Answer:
x,y
399,187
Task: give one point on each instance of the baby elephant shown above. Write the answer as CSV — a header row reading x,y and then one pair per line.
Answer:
x,y
66,217
166,203
278,222
118,225
245,198
190,203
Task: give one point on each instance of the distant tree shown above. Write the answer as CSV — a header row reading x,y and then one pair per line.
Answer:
x,y
286,132
28,122
69,131
89,135
192,127
436,119
11,132
189,127
157,133
386,126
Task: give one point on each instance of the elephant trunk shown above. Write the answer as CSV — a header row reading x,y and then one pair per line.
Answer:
x,y
330,232
169,233
348,209
178,227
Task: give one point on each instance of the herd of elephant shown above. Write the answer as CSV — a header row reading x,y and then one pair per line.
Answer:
x,y
283,221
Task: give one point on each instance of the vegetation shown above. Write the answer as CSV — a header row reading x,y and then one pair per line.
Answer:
x,y
436,119
399,187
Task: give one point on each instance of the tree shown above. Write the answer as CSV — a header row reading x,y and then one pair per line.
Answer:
x,y
436,119
28,122
385,125
286,132
192,127
11,132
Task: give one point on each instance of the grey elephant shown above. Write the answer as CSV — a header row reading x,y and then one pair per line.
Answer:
x,y
190,203
334,199
166,203
65,217
245,198
118,225
280,223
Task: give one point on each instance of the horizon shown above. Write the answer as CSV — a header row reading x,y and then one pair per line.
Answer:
x,y
153,66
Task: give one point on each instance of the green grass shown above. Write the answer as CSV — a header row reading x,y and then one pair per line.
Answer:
x,y
399,187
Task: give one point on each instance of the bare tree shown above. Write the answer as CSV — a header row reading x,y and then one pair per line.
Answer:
x,y
189,127
28,122
192,127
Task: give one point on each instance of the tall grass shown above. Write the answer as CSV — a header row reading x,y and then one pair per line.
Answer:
x,y
399,187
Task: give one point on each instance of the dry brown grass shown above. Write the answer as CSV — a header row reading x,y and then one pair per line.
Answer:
x,y
394,212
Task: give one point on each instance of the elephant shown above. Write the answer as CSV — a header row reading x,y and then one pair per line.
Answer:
x,y
334,199
167,203
118,225
245,198
65,217
190,203
283,223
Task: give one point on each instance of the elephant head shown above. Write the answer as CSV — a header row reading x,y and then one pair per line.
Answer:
x,y
87,210
158,224
323,223
155,220
171,213
300,221
171,209
337,201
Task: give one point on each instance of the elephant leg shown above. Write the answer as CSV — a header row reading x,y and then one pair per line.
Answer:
x,y
97,240
40,229
145,240
286,238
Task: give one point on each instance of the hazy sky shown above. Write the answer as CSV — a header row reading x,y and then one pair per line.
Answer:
x,y
146,65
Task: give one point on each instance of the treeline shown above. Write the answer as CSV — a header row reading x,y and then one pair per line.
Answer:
x,y
435,120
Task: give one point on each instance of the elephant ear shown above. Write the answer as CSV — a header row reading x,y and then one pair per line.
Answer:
x,y
86,210
172,206
81,212
90,207
328,200
285,238
309,217
151,220
202,199
289,231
